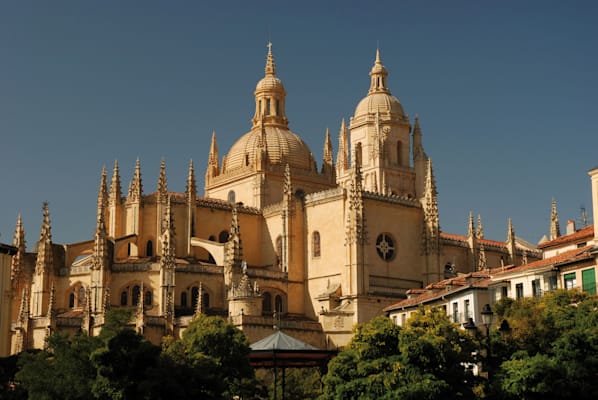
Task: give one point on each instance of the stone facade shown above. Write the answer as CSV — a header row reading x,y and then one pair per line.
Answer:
x,y
275,240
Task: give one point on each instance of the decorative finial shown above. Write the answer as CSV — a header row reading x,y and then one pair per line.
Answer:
x,y
270,67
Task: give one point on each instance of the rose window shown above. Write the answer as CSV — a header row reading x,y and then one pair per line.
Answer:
x,y
385,246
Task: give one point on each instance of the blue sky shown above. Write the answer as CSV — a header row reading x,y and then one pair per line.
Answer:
x,y
506,93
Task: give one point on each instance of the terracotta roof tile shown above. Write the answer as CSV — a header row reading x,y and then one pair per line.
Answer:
x,y
568,256
580,234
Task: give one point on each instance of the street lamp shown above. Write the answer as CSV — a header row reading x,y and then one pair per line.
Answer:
x,y
470,326
487,317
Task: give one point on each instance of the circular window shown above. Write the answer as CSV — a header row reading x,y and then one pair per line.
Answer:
x,y
385,246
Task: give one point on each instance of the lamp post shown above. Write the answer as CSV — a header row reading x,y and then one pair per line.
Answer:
x,y
487,318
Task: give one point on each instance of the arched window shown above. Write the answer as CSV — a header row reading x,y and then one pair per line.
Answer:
x,y
149,249
278,303
135,295
194,296
71,300
315,244
399,149
148,298
81,297
123,298
279,251
267,303
277,104
223,237
358,154
267,106
206,300
184,299
231,196
128,249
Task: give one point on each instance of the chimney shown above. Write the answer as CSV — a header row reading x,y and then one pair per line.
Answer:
x,y
570,227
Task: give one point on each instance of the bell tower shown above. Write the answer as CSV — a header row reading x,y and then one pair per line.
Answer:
x,y
380,139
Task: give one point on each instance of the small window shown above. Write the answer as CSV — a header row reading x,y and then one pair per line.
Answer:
x,y
504,292
399,150
394,320
231,196
184,299
123,298
135,295
536,289
519,290
149,249
467,309
455,312
316,243
570,280
267,106
81,297
552,283
223,237
277,103
588,281
403,319
279,251
71,300
148,298
128,249
278,303
358,155
267,303
206,300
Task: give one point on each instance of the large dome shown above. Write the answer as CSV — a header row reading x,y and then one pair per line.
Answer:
x,y
381,102
282,146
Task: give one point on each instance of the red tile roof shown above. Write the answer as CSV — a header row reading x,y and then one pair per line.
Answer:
x,y
579,235
567,256
479,279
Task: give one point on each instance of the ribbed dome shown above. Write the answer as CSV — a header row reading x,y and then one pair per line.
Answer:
x,y
269,82
282,145
382,102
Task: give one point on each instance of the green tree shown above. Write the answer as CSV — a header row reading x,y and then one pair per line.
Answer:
x,y
215,355
427,359
63,371
552,349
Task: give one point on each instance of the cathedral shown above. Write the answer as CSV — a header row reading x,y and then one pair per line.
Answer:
x,y
275,241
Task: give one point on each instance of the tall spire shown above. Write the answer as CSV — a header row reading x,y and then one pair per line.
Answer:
x,y
418,148
342,158
378,76
115,188
479,233
213,169
555,229
100,254
17,272
270,69
44,247
511,242
162,183
168,237
135,188
103,193
431,218
470,226
191,187
270,97
510,230
328,158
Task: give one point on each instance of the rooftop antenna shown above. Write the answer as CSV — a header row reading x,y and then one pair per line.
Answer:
x,y
583,216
